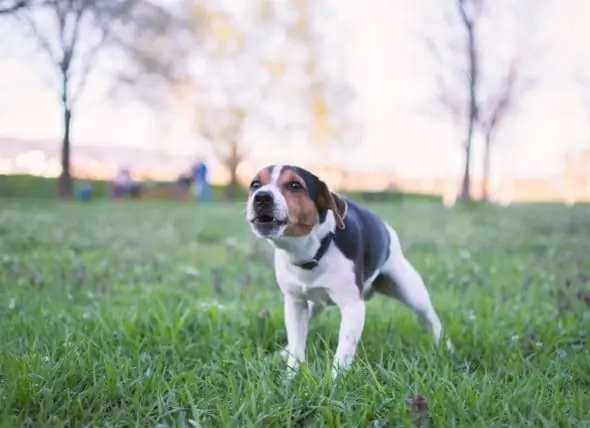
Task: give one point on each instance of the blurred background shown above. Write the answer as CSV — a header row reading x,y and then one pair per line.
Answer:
x,y
459,99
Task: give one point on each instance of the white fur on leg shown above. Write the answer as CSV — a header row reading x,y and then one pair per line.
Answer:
x,y
411,288
314,309
414,294
351,328
296,323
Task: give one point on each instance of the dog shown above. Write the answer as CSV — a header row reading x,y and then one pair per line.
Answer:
x,y
328,250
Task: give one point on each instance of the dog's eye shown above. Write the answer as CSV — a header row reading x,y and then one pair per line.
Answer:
x,y
255,184
294,185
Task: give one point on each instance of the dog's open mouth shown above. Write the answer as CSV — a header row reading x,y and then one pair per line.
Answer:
x,y
266,219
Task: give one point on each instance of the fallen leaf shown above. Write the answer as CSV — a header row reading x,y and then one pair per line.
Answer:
x,y
217,281
583,296
419,412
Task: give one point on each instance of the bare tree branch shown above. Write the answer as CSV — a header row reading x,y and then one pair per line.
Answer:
x,y
90,59
9,7
512,85
158,47
495,108
447,95
41,39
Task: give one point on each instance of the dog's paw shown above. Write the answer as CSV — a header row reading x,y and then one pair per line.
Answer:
x,y
290,373
338,370
292,368
284,354
335,373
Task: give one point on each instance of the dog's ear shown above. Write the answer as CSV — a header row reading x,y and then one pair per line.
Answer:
x,y
328,200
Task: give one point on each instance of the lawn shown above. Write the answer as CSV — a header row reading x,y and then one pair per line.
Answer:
x,y
166,315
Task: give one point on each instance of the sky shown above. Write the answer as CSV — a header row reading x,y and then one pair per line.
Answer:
x,y
388,70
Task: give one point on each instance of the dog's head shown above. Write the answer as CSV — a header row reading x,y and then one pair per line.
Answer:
x,y
287,200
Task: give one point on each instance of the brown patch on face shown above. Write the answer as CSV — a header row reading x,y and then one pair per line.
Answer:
x,y
303,213
264,177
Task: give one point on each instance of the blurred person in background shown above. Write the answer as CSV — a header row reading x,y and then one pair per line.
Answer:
x,y
184,183
202,188
124,184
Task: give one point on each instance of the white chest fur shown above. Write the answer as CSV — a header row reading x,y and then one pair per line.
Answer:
x,y
334,274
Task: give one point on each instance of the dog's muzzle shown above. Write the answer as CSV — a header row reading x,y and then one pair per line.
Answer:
x,y
266,219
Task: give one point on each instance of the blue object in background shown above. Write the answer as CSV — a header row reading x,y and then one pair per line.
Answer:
x,y
83,192
204,191
200,179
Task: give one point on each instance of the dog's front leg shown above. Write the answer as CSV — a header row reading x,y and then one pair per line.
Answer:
x,y
352,321
313,310
296,324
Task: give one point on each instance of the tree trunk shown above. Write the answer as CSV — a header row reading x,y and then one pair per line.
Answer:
x,y
473,74
466,184
233,161
485,183
232,187
65,182
7,9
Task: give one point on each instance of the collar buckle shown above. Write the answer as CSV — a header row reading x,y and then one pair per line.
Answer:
x,y
324,245
309,265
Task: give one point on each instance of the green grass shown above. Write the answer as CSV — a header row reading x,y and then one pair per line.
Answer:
x,y
17,186
152,315
43,188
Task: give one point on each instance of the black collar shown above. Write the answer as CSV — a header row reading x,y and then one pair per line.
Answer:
x,y
324,245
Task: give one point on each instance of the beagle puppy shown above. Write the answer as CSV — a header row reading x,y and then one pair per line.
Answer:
x,y
329,251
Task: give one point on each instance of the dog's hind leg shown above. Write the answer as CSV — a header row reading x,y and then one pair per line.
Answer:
x,y
400,280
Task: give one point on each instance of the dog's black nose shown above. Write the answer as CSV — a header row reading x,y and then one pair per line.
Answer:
x,y
262,198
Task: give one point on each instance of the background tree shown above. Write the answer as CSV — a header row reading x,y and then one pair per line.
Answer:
x,y
11,6
457,59
489,119
511,72
228,92
497,107
8,7
482,56
262,70
72,34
